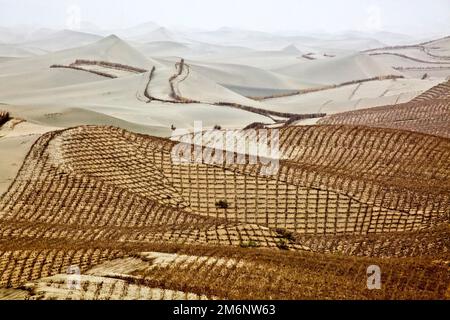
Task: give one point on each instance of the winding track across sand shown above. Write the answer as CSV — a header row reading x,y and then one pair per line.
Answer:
x,y
183,69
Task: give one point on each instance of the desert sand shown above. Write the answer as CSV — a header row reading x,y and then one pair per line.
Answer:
x,y
87,180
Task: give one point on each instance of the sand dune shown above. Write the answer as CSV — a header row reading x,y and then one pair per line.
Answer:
x,y
428,113
267,41
4,59
338,70
61,40
442,44
123,97
246,80
8,36
399,60
163,48
16,138
266,60
206,83
193,85
110,49
137,30
355,96
159,34
424,60
192,49
64,117
348,44
24,33
118,98
43,79
17,51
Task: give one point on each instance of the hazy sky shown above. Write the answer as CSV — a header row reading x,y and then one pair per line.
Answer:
x,y
407,16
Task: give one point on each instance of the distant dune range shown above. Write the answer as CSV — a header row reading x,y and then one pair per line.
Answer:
x,y
292,89
431,58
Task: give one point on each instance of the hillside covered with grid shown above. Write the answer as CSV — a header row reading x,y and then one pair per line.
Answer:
x,y
344,197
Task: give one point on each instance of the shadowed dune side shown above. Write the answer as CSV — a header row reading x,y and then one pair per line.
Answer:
x,y
4,117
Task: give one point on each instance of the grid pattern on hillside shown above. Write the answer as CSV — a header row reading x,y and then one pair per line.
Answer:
x,y
319,191
20,266
360,181
227,273
98,193
427,113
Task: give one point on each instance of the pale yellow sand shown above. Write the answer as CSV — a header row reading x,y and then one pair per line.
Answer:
x,y
16,138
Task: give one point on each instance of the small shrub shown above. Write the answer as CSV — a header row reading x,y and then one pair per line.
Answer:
x,y
217,127
283,244
285,234
250,244
222,204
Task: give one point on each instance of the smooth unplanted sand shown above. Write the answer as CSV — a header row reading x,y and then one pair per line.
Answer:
x,y
338,70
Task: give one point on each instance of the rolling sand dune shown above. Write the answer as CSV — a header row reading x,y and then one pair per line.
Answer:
x,y
63,88
192,49
123,98
71,116
266,60
439,44
164,48
61,40
44,79
15,51
428,60
245,80
338,70
241,78
14,35
159,34
355,96
110,48
16,138
136,30
428,113
7,35
402,61
4,59
139,113
266,41
67,88
195,86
